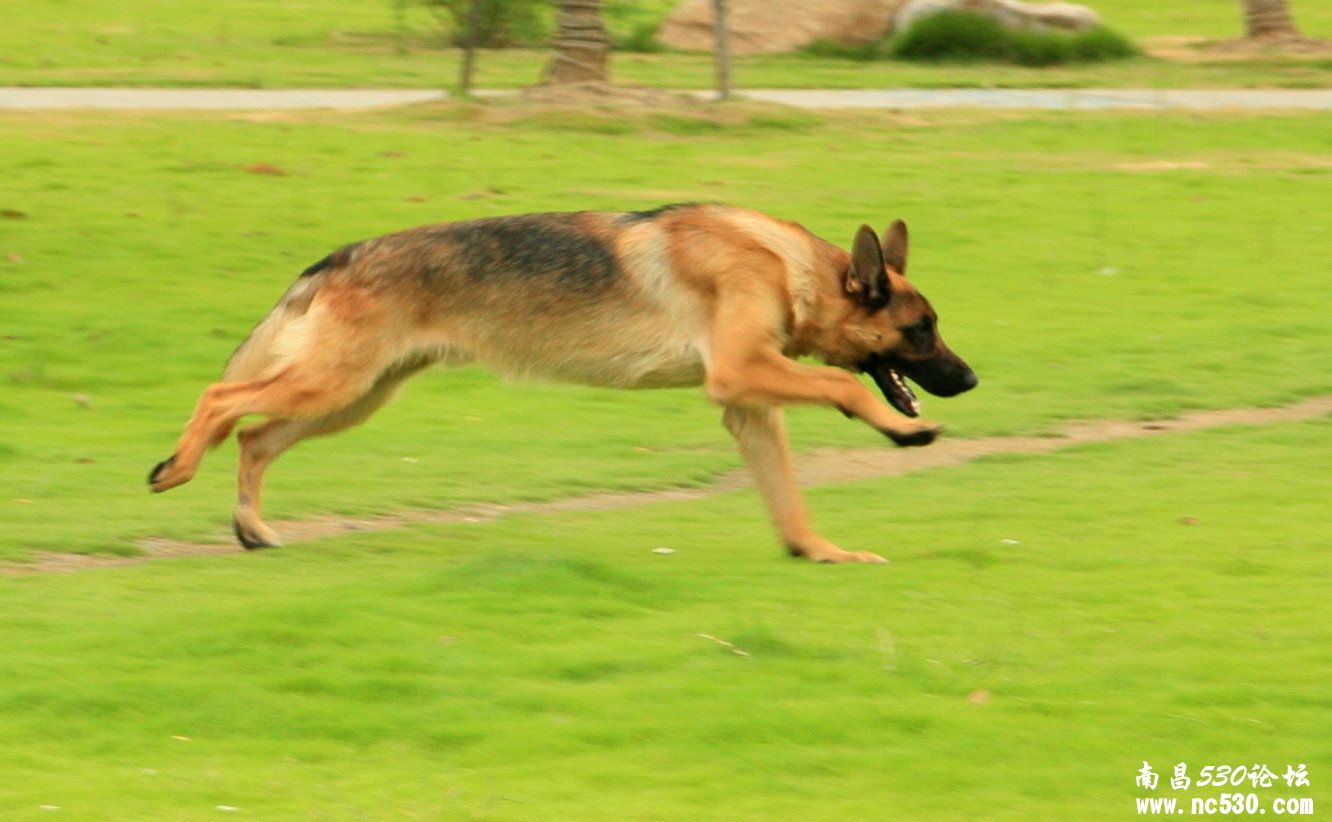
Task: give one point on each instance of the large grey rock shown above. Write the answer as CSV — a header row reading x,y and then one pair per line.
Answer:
x,y
1013,14
771,26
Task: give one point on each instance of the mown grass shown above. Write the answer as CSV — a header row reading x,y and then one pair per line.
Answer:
x,y
1048,624
1090,266
264,44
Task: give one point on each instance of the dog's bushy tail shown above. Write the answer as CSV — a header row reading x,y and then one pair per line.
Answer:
x,y
263,351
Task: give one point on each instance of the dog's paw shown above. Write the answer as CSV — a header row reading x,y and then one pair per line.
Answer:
x,y
254,537
863,557
820,550
166,475
922,433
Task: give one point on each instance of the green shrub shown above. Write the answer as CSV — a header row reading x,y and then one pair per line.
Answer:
x,y
950,37
1103,43
643,39
961,36
501,24
829,48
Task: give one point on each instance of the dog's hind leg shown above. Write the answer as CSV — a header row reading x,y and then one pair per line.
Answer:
x,y
319,381
261,444
760,431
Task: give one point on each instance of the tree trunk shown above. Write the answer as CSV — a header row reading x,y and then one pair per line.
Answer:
x,y
469,49
722,33
1264,19
581,48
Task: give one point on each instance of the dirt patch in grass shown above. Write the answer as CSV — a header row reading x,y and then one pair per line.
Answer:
x,y
606,94
1269,47
1192,49
819,467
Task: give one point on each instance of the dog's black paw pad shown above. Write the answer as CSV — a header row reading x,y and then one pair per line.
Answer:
x,y
159,468
922,437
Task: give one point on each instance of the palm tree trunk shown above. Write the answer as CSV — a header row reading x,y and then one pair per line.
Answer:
x,y
581,48
1268,19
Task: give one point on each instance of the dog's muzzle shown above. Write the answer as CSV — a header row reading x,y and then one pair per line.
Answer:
x,y
943,376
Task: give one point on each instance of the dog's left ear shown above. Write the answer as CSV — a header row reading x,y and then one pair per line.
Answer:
x,y
895,247
865,279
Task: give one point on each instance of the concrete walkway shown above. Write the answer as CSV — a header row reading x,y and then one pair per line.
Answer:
x,y
131,99
208,99
1053,99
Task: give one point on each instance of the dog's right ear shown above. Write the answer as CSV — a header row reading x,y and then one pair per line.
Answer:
x,y
895,247
866,279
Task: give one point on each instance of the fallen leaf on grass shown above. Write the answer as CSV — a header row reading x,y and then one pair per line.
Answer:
x,y
13,214
489,192
267,168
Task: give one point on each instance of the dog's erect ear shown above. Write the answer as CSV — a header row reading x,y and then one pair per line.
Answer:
x,y
895,247
865,279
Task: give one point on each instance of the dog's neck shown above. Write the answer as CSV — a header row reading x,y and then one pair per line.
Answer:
x,y
824,317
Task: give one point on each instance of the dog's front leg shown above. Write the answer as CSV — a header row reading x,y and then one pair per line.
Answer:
x,y
760,431
765,377
746,367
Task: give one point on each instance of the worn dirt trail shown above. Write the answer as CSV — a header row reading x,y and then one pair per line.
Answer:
x,y
818,467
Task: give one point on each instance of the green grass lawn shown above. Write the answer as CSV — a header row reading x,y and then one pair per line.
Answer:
x,y
1048,624
1087,266
260,43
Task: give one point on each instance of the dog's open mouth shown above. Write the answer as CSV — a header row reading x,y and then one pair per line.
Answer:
x,y
895,388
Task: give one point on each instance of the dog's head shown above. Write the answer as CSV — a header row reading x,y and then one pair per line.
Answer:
x,y
891,332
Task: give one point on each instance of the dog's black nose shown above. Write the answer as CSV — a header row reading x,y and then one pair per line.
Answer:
x,y
970,381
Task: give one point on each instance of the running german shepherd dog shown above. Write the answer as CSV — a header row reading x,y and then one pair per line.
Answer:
x,y
680,295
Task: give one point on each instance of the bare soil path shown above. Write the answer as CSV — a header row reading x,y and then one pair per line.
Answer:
x,y
818,467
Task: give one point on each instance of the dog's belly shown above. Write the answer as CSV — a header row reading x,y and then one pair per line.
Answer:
x,y
636,334
636,357
672,367
664,365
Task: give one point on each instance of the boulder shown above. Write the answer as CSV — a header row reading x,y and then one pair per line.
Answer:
x,y
772,26
1013,14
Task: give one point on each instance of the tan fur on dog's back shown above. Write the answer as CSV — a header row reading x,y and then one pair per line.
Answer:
x,y
647,328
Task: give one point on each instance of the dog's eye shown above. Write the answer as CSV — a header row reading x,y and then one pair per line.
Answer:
x,y
921,335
